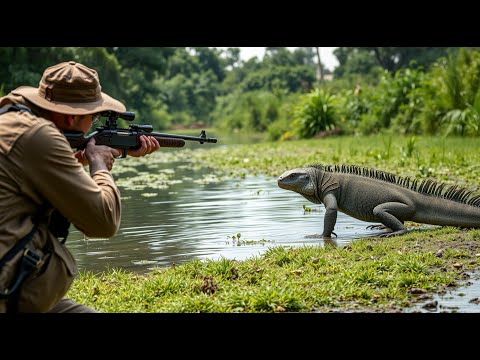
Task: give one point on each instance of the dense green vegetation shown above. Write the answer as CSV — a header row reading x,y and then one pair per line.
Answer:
x,y
285,95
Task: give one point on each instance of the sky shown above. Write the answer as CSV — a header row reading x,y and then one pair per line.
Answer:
x,y
326,54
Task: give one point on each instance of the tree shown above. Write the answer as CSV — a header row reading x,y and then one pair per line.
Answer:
x,y
364,59
320,66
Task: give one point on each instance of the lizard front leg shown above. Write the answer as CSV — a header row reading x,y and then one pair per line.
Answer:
x,y
331,211
390,213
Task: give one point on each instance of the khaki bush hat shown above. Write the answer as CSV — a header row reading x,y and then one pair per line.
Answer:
x,y
70,88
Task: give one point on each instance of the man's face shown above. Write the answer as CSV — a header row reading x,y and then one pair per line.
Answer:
x,y
84,123
67,122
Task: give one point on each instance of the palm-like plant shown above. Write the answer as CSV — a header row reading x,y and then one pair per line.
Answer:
x,y
315,112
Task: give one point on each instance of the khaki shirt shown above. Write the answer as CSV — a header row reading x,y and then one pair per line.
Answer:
x,y
38,171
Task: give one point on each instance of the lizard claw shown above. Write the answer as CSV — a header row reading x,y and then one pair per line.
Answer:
x,y
385,235
392,234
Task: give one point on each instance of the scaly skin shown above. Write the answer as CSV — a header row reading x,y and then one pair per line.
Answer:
x,y
375,196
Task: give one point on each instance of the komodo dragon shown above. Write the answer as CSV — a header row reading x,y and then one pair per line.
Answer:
x,y
377,196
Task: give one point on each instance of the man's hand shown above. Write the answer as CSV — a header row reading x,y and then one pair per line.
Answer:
x,y
80,155
148,145
100,157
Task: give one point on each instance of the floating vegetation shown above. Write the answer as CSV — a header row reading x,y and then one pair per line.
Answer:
x,y
237,242
251,242
207,179
308,209
145,180
121,169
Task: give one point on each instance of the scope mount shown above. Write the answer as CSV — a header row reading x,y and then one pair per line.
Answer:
x,y
112,117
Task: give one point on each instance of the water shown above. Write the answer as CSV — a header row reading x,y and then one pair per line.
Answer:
x,y
463,299
205,217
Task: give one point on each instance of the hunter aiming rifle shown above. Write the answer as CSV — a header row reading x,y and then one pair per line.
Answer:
x,y
125,139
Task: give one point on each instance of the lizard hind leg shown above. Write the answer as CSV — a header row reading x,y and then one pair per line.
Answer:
x,y
389,214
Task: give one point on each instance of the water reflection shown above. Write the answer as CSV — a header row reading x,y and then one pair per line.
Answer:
x,y
203,217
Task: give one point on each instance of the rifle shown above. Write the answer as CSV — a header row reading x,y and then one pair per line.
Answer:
x,y
126,139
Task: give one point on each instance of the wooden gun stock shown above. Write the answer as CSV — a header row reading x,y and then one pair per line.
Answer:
x,y
169,142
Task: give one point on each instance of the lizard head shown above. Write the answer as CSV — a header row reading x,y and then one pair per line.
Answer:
x,y
299,180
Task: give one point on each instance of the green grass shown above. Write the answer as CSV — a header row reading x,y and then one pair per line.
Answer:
x,y
444,159
374,275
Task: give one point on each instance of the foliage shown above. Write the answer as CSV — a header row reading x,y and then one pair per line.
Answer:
x,y
292,79
364,59
254,110
375,89
282,127
395,100
25,65
353,62
315,112
451,95
352,105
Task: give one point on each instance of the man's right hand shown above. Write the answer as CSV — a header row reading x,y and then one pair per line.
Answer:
x,y
100,157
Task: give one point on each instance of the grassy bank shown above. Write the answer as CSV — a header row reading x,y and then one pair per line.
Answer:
x,y
370,275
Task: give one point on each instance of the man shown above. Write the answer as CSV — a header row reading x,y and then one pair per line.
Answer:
x,y
40,176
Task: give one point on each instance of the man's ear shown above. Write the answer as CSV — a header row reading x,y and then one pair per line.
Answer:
x,y
70,120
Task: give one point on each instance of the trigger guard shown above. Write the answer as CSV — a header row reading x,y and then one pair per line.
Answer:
x,y
123,155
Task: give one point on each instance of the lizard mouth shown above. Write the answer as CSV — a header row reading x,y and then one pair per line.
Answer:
x,y
283,184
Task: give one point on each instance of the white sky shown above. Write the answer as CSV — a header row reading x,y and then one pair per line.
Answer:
x,y
326,55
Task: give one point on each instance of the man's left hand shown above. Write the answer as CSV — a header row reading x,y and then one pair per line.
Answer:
x,y
148,145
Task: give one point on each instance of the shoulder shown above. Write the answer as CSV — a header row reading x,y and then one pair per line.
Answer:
x,y
44,135
17,125
36,137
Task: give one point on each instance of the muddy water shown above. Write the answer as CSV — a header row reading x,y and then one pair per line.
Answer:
x,y
463,299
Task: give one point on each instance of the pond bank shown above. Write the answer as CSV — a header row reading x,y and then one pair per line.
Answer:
x,y
368,275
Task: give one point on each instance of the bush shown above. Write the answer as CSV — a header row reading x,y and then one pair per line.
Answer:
x,y
316,112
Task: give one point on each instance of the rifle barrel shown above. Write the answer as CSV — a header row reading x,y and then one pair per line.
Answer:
x,y
201,139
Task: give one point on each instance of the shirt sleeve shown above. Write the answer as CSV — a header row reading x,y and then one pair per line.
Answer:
x,y
92,204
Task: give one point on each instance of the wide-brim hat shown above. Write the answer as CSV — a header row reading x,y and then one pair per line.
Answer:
x,y
70,88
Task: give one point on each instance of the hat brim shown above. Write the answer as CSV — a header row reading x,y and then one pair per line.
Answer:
x,y
106,103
